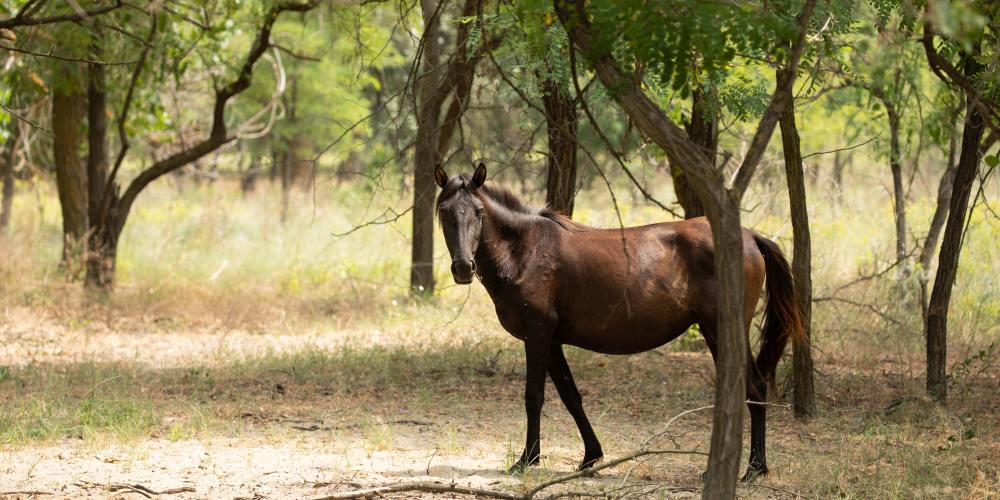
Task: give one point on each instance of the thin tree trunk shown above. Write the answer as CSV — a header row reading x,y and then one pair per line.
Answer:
x,y
68,105
703,131
898,192
561,121
951,248
937,222
97,170
8,183
839,163
804,395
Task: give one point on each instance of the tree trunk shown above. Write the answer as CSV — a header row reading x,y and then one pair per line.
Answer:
x,y
937,223
951,248
561,122
839,163
804,395
425,156
97,171
68,105
731,360
286,183
703,131
898,192
8,182
434,134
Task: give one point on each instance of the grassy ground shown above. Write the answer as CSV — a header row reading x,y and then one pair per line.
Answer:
x,y
243,357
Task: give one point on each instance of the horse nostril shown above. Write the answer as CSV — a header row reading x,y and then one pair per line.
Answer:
x,y
463,266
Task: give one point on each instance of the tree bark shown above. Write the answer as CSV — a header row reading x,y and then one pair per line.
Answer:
x,y
68,104
434,84
703,131
898,191
561,123
951,248
425,155
8,182
804,395
97,166
937,223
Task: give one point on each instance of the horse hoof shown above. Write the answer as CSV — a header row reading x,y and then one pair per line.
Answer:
x,y
522,465
589,462
753,474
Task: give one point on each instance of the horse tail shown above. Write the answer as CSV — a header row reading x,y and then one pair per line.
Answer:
x,y
781,319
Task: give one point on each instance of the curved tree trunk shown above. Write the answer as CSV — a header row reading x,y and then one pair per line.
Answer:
x,y
804,395
561,122
722,201
951,248
68,104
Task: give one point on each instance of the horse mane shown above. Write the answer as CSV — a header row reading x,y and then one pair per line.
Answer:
x,y
507,199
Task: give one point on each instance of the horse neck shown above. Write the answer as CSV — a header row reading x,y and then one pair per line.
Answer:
x,y
501,244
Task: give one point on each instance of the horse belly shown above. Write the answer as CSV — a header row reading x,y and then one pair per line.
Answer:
x,y
628,325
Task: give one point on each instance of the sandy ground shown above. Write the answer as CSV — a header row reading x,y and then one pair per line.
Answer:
x,y
306,444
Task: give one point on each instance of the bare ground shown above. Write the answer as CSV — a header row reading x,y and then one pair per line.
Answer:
x,y
450,412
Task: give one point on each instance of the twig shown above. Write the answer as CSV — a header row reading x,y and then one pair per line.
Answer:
x,y
68,59
25,120
378,221
858,304
848,148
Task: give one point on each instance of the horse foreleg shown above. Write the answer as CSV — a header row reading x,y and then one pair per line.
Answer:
x,y
537,354
563,379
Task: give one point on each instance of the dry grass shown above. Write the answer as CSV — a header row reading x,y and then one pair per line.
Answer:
x,y
229,331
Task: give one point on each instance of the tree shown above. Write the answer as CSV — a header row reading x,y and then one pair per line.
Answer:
x,y
434,83
703,130
980,112
68,105
114,208
561,123
720,197
804,393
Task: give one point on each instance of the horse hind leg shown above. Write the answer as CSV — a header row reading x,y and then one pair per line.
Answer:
x,y
757,404
756,399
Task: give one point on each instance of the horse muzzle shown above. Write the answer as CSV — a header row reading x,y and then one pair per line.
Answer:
x,y
463,270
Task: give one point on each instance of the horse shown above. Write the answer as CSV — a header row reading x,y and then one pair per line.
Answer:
x,y
557,282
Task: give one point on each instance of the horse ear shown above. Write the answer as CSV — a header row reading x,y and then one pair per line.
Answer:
x,y
440,176
479,177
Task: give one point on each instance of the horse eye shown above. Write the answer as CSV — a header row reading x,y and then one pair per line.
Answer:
x,y
479,212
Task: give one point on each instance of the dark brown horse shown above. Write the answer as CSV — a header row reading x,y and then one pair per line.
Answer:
x,y
554,282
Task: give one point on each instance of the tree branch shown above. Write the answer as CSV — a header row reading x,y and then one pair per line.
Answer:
x,y
219,134
22,19
777,105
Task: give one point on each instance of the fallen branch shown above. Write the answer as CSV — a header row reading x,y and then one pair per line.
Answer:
x,y
424,486
136,488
